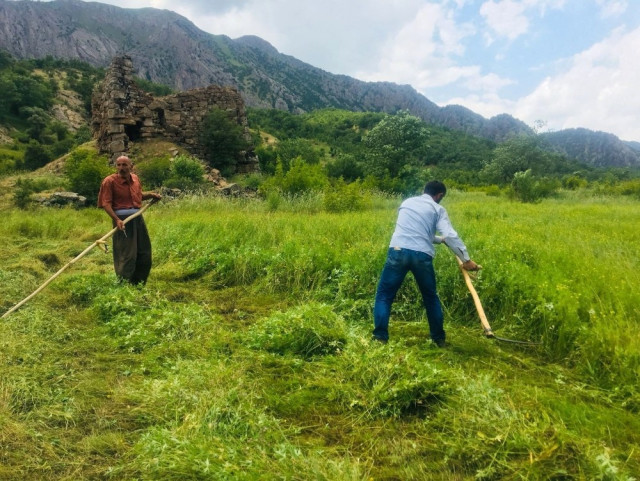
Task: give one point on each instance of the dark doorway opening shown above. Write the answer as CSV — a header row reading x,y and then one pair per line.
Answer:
x,y
133,131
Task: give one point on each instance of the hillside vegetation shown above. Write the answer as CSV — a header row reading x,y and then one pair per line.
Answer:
x,y
169,49
247,355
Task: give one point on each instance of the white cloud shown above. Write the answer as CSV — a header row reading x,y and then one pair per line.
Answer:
x,y
598,90
490,83
612,8
335,35
506,18
510,18
422,51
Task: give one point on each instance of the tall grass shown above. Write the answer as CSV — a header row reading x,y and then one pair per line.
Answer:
x,y
247,355
547,276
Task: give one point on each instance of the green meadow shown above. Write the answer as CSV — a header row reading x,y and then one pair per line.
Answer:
x,y
247,356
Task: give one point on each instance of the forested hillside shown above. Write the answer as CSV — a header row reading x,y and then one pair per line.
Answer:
x,y
167,48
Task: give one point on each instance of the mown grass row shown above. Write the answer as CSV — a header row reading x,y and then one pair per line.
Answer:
x,y
247,356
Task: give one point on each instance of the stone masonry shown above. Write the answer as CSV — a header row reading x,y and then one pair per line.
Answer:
x,y
123,113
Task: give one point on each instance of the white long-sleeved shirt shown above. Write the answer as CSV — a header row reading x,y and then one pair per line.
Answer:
x,y
419,218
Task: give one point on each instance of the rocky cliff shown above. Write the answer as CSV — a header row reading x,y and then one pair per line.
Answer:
x,y
167,48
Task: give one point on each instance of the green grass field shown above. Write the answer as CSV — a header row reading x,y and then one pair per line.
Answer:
x,y
247,355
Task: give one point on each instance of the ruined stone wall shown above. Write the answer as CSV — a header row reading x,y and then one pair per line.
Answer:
x,y
123,113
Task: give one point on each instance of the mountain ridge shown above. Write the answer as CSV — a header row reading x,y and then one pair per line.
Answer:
x,y
169,49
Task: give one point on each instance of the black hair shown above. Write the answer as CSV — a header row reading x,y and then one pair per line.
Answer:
x,y
435,187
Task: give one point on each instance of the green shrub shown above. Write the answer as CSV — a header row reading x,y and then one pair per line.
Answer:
x,y
82,135
274,200
36,155
85,170
345,166
22,195
344,197
629,187
268,158
527,188
186,173
223,140
312,329
153,173
303,177
10,159
493,191
573,182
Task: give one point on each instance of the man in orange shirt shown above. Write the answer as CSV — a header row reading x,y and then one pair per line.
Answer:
x,y
121,196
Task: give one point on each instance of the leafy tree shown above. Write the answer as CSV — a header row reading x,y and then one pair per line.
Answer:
x,y
397,141
37,119
573,182
6,59
268,158
345,166
302,177
85,170
527,188
36,155
290,149
223,140
517,154
82,135
343,197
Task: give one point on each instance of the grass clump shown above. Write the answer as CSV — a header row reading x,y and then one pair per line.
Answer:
x,y
389,381
140,319
309,330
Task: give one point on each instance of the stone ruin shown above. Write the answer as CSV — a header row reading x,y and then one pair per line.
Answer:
x,y
123,113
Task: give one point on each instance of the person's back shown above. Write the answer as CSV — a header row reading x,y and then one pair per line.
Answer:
x,y
416,224
412,249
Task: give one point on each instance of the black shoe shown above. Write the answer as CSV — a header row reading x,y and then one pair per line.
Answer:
x,y
381,341
440,343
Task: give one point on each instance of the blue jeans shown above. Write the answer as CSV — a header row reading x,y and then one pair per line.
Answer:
x,y
398,263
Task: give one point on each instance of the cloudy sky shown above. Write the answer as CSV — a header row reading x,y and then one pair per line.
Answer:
x,y
567,63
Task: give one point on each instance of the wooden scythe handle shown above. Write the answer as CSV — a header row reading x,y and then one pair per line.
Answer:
x,y
100,242
476,300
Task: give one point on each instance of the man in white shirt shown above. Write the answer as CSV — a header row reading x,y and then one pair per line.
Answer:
x,y
412,249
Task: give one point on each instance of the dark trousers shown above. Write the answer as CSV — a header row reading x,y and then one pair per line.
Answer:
x,y
132,252
398,263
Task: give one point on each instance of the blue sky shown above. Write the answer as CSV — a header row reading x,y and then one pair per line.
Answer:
x,y
567,63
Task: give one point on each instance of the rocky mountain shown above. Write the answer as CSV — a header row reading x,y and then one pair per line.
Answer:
x,y
598,149
167,48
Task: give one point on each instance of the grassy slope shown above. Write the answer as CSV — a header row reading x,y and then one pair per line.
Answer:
x,y
247,355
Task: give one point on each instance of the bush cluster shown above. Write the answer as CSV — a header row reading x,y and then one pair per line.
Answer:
x,y
85,169
182,172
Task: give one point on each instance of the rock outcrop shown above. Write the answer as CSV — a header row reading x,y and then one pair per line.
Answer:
x,y
124,113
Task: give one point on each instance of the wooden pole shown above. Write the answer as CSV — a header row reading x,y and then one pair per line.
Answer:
x,y
476,300
100,242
